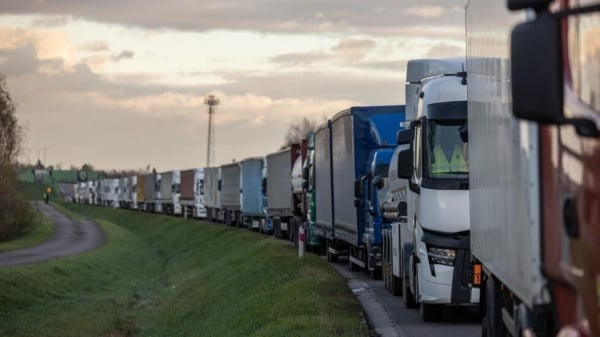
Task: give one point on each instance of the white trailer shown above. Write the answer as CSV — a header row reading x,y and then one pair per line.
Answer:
x,y
212,195
279,189
230,193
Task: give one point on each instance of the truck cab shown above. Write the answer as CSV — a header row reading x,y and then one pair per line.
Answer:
x,y
438,268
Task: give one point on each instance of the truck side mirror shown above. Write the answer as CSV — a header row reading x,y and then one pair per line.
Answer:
x,y
219,185
264,186
358,188
405,164
405,136
536,74
522,4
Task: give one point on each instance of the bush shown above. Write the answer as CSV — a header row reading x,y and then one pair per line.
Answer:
x,y
16,216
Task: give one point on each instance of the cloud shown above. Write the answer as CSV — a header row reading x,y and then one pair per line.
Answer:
x,y
441,50
48,45
386,17
123,55
50,21
295,59
95,46
354,49
425,11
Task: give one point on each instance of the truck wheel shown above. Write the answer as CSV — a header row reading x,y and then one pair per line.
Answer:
x,y
331,257
431,312
407,296
492,324
396,285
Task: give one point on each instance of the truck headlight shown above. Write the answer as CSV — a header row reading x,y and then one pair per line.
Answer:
x,y
443,256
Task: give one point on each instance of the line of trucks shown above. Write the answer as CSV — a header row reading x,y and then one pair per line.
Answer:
x,y
483,190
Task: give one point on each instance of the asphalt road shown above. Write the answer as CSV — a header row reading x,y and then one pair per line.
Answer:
x,y
69,238
390,318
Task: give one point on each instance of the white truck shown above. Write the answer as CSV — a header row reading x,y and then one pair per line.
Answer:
x,y
436,252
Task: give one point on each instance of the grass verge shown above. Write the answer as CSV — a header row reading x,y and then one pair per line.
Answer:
x,y
165,276
41,233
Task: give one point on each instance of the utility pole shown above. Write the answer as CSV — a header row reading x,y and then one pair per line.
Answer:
x,y
211,101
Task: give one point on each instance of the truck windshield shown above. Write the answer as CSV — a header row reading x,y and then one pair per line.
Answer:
x,y
447,153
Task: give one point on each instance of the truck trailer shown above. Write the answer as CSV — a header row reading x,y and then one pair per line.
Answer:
x,y
535,191
192,193
230,194
152,192
362,142
212,193
279,189
252,203
170,192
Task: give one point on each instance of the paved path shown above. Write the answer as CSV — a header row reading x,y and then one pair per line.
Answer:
x,y
389,318
70,237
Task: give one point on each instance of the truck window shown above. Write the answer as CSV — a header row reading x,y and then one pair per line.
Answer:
x,y
584,57
446,151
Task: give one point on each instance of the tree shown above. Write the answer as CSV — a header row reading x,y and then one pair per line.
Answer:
x,y
298,130
16,217
11,133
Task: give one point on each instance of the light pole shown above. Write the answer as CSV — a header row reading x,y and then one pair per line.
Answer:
x,y
211,101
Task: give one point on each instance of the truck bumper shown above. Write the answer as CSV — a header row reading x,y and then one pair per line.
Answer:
x,y
444,284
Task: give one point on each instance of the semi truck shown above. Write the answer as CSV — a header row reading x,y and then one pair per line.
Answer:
x,y
279,189
230,194
192,193
212,195
170,192
362,142
435,248
299,205
311,238
534,114
324,212
252,203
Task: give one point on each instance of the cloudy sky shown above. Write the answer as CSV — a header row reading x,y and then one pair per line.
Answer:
x,y
121,84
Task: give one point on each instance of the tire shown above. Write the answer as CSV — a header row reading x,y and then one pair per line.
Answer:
x,y
396,285
431,312
331,257
492,324
408,298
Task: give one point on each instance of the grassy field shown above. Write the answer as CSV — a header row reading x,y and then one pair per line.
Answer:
x,y
164,276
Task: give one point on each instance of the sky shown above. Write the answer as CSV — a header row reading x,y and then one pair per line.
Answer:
x,y
122,84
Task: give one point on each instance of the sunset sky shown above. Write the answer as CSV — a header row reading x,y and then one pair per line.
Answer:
x,y
121,84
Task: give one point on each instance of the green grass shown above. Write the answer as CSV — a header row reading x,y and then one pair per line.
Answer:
x,y
41,232
164,276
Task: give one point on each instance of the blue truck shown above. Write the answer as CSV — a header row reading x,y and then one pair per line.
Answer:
x,y
352,156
